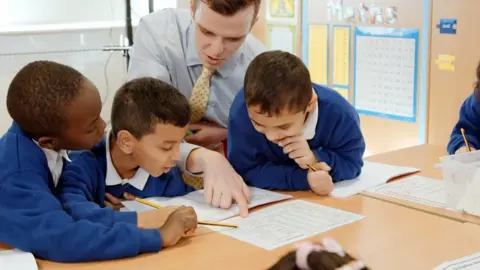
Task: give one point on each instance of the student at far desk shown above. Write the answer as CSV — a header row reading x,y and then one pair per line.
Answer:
x,y
469,121
279,126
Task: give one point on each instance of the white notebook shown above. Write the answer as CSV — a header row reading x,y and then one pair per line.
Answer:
x,y
206,212
373,174
17,260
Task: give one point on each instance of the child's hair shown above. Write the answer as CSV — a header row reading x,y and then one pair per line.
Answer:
x,y
277,81
229,7
327,255
38,95
139,105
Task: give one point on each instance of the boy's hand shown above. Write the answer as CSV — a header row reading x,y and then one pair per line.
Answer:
x,y
182,220
154,219
298,149
320,182
116,203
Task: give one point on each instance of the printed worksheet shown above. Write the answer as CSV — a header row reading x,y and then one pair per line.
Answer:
x,y
18,260
471,262
416,189
373,174
285,223
206,212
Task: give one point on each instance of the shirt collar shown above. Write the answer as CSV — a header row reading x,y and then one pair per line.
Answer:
x,y
310,126
193,59
139,180
54,161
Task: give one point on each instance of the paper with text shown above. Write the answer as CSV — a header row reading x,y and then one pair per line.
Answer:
x,y
373,174
18,260
471,262
206,212
416,189
285,223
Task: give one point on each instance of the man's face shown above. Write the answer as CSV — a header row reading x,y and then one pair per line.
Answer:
x,y
218,37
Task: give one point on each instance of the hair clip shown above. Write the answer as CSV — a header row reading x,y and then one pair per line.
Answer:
x,y
333,246
301,255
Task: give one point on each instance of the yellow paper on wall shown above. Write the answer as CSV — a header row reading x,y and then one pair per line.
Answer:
x,y
318,53
341,55
446,62
342,91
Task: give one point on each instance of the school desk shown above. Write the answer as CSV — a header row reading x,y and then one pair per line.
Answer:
x,y
423,157
389,237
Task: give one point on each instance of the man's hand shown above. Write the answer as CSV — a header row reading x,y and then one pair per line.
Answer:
x,y
206,134
298,149
183,220
116,203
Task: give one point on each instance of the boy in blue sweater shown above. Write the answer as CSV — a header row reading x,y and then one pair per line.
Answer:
x,y
469,120
54,107
149,120
281,124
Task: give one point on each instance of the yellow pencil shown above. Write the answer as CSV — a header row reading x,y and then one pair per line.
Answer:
x,y
311,168
200,222
465,140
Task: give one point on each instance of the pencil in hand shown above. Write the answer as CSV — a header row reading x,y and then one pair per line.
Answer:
x,y
465,140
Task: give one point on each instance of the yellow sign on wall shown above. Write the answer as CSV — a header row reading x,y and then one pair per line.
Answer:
x,y
341,55
446,62
282,8
318,53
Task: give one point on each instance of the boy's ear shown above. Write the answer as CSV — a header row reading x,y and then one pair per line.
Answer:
x,y
48,142
313,102
125,141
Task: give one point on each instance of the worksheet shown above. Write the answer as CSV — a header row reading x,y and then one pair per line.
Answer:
x,y
285,223
206,212
416,189
373,174
471,262
18,260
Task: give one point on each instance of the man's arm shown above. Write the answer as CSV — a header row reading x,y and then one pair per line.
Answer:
x,y
79,186
33,220
146,58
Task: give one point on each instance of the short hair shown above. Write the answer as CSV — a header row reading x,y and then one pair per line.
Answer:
x,y
38,95
277,81
140,104
230,7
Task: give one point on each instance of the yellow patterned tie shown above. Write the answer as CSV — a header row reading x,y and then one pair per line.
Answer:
x,y
198,102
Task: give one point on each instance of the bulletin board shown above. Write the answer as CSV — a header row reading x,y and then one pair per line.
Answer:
x,y
383,130
283,27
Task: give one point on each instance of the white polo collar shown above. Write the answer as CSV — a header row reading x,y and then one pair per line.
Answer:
x,y
310,126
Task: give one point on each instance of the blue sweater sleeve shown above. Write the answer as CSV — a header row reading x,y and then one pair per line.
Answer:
x,y
253,166
346,146
469,120
80,182
33,220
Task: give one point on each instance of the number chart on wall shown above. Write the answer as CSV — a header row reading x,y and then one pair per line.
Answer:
x,y
386,72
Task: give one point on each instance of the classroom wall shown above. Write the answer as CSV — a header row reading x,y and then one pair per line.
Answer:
x,y
329,49
454,58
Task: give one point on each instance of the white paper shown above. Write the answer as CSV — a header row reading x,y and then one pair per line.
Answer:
x,y
206,212
285,223
470,201
18,260
471,262
416,189
373,174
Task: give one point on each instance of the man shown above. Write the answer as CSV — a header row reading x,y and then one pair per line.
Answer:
x,y
203,52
